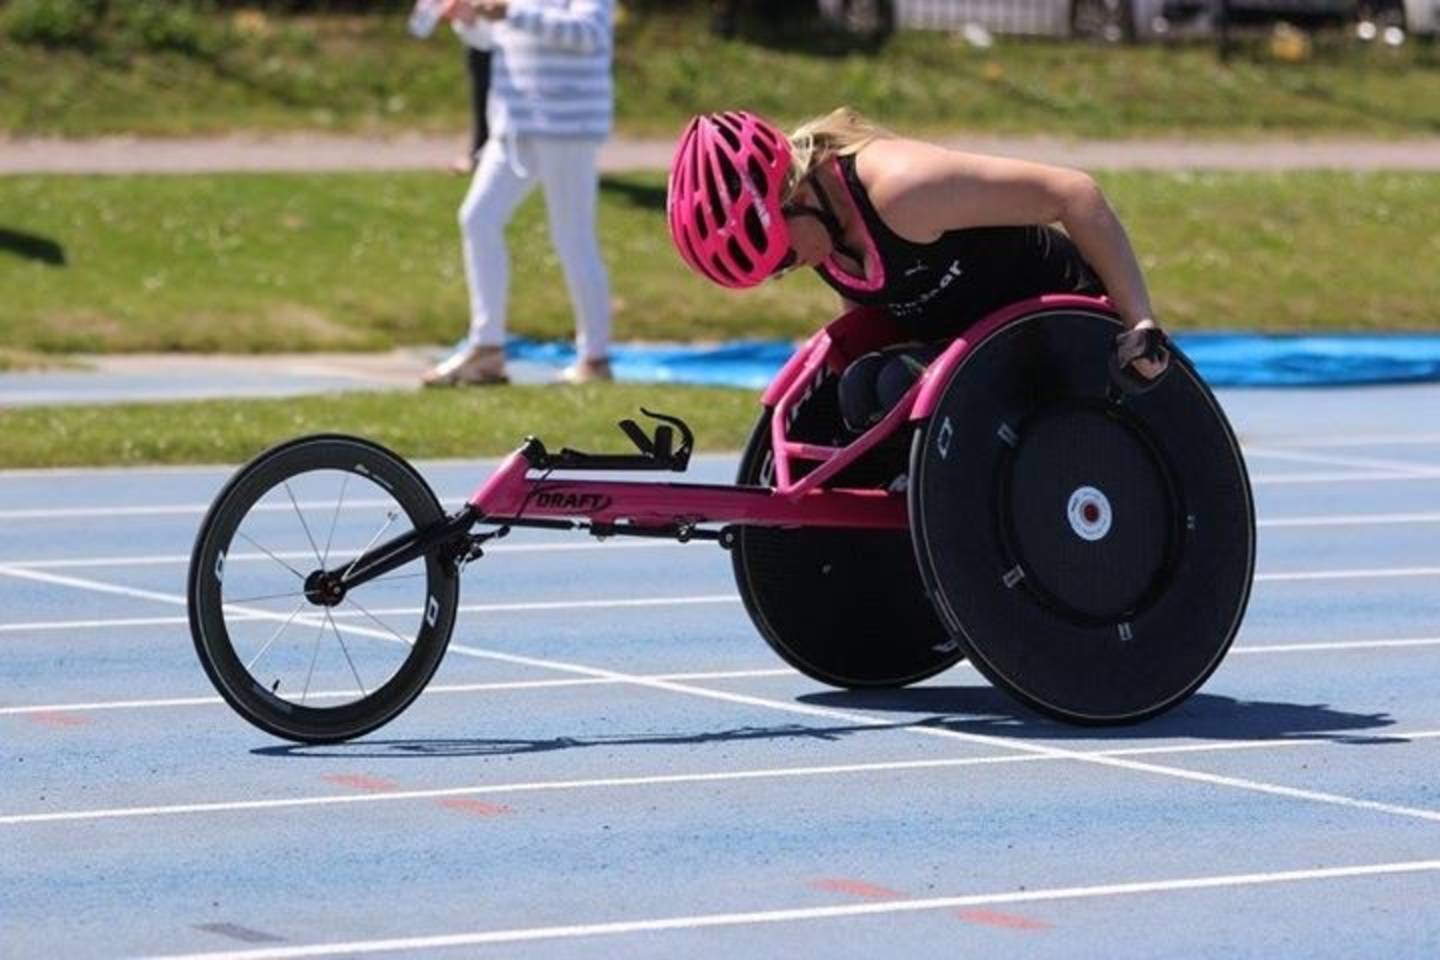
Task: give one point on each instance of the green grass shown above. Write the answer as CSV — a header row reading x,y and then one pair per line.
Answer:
x,y
276,263
366,74
22,361
465,423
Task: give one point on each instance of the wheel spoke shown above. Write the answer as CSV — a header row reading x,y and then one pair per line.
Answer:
x,y
275,636
314,655
390,516
270,596
345,650
305,526
253,628
330,537
378,622
242,533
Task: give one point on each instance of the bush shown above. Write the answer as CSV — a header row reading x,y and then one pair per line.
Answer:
x,y
179,25
53,23
161,25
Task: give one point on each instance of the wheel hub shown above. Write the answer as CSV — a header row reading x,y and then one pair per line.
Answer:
x,y
324,589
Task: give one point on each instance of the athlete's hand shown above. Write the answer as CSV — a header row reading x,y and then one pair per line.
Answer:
x,y
461,11
1140,358
1145,353
492,9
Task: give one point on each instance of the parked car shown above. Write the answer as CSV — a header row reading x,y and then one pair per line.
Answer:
x,y
1422,17
1120,20
1304,13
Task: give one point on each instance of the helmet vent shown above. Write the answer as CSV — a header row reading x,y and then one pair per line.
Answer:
x,y
738,255
712,192
754,231
729,135
757,172
764,148
718,266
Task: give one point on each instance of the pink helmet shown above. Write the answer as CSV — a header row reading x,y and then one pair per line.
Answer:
x,y
724,198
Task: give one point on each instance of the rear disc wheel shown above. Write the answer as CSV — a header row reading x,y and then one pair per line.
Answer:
x,y
844,607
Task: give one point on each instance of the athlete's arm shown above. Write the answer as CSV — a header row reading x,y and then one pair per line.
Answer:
x,y
923,191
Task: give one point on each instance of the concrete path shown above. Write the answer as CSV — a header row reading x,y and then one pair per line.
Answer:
x,y
312,152
138,378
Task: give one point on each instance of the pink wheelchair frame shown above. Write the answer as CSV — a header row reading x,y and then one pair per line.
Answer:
x,y
513,495
858,579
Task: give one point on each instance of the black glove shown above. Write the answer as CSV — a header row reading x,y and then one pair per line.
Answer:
x,y
1147,343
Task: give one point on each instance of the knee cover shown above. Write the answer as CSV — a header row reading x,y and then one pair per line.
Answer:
x,y
872,384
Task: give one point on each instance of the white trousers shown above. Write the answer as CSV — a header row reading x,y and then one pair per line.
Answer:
x,y
508,167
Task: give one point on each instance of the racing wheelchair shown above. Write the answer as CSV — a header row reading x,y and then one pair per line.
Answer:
x,y
1087,544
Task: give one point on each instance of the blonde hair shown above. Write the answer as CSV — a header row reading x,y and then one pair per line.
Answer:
x,y
839,133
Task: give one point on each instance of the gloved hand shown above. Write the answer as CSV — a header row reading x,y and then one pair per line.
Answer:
x,y
1141,358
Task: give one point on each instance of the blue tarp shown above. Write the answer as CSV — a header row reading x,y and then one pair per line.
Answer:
x,y
1224,359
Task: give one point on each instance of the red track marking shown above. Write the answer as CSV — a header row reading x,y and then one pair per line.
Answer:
x,y
59,718
856,888
359,781
868,891
476,808
1009,921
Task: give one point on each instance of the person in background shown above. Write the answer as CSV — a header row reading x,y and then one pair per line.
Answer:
x,y
477,68
551,108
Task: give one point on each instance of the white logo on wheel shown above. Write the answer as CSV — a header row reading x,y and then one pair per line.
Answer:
x,y
1089,513
432,611
943,438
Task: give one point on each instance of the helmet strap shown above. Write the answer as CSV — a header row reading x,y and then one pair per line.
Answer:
x,y
825,213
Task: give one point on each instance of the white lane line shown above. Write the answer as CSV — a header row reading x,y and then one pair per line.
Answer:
x,y
29,626
1357,440
177,559
1340,645
199,509
222,471
391,796
1238,783
1349,476
1331,647
1349,520
799,914
859,719
168,510
1329,460
30,573
96,586
169,559
1383,470
1363,573
672,779
493,686
530,607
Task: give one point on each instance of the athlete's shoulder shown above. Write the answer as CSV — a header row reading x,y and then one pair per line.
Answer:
x,y
901,178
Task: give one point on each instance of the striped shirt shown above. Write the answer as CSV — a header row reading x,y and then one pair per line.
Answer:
x,y
550,70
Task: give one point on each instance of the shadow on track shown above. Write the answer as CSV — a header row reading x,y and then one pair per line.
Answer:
x,y
985,710
978,710
479,747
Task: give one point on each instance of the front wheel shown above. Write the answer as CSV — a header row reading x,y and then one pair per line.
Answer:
x,y
295,660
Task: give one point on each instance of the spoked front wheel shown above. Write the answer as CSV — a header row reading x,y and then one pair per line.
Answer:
x,y
291,654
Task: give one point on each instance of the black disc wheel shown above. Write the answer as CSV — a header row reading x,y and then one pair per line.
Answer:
x,y
844,607
1092,551
287,649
